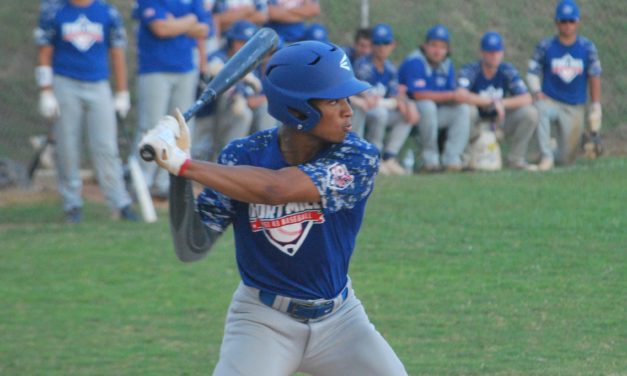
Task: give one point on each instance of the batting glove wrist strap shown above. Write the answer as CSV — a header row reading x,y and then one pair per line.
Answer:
x,y
44,76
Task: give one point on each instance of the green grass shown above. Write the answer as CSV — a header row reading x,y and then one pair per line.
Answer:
x,y
508,273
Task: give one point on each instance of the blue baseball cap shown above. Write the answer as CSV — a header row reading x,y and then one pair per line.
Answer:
x,y
567,10
438,32
491,42
382,34
241,30
316,31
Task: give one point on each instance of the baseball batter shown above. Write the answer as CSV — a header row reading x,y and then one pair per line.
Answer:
x,y
560,72
77,40
296,196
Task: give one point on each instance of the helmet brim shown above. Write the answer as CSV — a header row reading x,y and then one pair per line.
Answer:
x,y
342,90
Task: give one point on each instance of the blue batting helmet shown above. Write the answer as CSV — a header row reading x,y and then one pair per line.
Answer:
x,y
241,30
304,71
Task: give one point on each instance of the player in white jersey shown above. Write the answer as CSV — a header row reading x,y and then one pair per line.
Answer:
x,y
296,196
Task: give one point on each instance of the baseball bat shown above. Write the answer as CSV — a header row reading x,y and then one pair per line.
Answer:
x,y
146,206
36,159
245,60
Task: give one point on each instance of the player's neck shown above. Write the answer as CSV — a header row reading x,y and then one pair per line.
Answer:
x,y
378,62
488,71
298,147
567,40
81,3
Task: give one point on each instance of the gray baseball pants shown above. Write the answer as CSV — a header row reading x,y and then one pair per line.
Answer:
x,y
89,104
569,122
261,341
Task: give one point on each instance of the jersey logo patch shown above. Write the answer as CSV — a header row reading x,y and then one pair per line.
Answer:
x,y
344,63
567,68
285,226
338,177
82,33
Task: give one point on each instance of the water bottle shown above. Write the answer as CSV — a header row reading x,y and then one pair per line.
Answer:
x,y
408,161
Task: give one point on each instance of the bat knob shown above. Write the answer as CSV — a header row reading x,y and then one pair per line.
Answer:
x,y
147,152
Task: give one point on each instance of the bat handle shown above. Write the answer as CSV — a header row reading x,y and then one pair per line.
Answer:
x,y
148,153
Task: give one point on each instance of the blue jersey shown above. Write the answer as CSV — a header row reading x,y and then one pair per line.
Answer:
x,y
174,55
81,38
290,32
416,73
384,83
301,250
564,70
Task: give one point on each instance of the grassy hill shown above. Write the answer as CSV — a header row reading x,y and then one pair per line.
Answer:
x,y
522,24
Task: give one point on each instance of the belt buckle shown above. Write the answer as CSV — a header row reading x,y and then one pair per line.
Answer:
x,y
307,310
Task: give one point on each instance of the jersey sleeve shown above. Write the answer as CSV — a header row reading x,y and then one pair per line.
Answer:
x,y
117,32
200,12
345,174
46,28
150,11
467,76
594,63
216,209
451,84
413,75
514,85
536,63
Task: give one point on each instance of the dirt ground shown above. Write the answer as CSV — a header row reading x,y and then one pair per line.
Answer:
x,y
44,185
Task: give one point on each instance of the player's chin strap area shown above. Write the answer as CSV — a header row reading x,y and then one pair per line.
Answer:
x,y
192,239
305,310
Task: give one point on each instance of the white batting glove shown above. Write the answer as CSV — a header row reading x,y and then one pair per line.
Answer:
x,y
122,103
253,81
48,104
170,140
595,116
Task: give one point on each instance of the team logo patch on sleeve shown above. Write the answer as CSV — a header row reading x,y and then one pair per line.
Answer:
x,y
338,177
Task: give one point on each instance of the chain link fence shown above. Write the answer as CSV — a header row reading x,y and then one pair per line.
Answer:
x,y
522,24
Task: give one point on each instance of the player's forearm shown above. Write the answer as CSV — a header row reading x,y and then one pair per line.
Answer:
x,y
119,68
198,31
517,101
280,14
258,18
436,96
44,58
226,19
254,184
595,89
307,11
173,27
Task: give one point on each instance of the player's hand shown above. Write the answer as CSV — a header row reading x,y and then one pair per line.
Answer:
x,y
170,140
592,145
500,111
595,116
48,104
122,103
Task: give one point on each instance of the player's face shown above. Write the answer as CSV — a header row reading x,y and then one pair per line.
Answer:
x,y
335,122
567,28
436,50
492,59
236,45
382,51
363,47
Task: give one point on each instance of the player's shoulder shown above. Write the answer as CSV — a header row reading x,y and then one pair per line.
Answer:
x,y
389,66
239,150
415,56
508,68
546,42
586,43
473,66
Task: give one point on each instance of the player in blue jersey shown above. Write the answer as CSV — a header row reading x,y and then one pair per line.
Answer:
x,y
287,17
562,70
499,96
362,44
316,31
384,105
78,40
296,196
429,75
167,35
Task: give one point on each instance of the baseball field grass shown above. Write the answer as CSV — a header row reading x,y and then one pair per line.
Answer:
x,y
508,273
